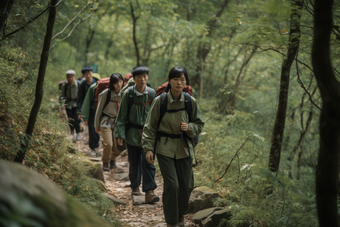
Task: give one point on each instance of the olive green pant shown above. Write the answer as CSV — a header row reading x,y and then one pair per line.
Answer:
x,y
178,184
110,151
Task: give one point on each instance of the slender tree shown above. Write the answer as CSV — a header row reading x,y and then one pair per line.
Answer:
x,y
134,23
5,9
293,46
329,124
40,82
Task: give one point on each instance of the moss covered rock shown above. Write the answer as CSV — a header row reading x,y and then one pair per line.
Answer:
x,y
28,198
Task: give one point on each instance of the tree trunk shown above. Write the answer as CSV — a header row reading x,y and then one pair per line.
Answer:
x,y
329,123
204,47
134,22
5,9
88,41
277,136
40,83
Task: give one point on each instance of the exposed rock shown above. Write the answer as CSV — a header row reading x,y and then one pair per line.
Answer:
x,y
28,197
115,199
211,217
215,218
203,214
201,198
138,199
96,159
121,176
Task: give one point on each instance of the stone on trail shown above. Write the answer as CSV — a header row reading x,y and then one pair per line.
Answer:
x,y
203,214
115,199
148,206
36,200
201,198
138,199
120,176
96,159
215,218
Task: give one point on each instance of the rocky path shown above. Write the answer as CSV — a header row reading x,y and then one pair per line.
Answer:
x,y
132,211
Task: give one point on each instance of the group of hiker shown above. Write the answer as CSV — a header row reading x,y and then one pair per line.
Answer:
x,y
165,122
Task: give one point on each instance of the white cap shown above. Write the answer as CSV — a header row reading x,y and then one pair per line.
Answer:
x,y
70,72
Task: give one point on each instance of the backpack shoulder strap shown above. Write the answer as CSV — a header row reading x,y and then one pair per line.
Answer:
x,y
188,104
163,105
66,86
130,96
130,99
108,97
152,94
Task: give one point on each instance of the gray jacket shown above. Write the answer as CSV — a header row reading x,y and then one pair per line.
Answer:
x,y
69,94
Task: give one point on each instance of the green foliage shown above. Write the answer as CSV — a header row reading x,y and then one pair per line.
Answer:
x,y
48,149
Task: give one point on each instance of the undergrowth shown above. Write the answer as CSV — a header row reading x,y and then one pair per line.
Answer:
x,y
50,150
254,195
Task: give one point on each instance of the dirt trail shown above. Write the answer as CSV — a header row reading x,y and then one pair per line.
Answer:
x,y
117,184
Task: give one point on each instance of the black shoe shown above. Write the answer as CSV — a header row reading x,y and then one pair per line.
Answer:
x,y
106,166
113,165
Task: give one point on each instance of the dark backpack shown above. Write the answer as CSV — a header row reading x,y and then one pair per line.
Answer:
x,y
188,108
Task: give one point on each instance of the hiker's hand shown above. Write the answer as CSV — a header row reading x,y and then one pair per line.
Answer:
x,y
120,141
86,122
184,126
97,130
149,157
79,116
63,108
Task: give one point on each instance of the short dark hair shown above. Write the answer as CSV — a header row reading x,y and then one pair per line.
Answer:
x,y
176,72
114,78
140,69
86,69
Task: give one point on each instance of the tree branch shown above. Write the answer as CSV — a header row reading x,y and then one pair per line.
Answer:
x,y
31,20
69,22
236,154
82,20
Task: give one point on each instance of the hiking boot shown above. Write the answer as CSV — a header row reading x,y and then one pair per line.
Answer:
x,y
106,166
150,197
93,152
113,165
135,191
181,221
78,138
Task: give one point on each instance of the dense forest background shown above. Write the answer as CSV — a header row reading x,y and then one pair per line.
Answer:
x,y
236,54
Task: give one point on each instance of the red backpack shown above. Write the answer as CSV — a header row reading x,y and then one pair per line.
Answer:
x,y
102,84
162,88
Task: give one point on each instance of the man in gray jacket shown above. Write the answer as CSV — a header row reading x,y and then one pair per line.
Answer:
x,y
69,95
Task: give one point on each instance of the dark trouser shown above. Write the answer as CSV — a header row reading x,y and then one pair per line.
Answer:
x,y
138,167
178,184
73,119
93,136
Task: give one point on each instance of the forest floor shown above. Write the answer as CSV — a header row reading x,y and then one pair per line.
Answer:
x,y
134,212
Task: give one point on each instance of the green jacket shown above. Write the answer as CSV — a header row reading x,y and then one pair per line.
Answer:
x,y
89,102
171,124
137,116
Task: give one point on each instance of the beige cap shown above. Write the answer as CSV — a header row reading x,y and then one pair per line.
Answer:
x,y
70,72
